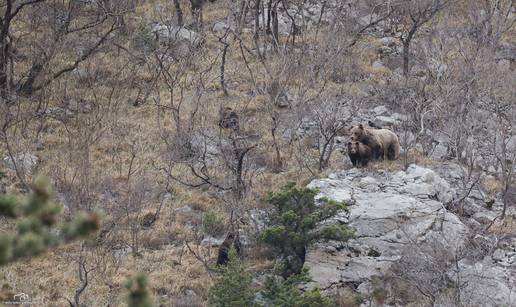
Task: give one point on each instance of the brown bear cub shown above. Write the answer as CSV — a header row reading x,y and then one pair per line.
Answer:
x,y
359,154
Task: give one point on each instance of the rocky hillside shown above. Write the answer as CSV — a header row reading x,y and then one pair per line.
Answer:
x,y
410,246
176,120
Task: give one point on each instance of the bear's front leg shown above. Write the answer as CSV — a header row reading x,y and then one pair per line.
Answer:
x,y
377,153
385,153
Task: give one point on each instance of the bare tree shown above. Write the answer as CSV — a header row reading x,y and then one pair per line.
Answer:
x,y
410,16
330,121
84,280
70,20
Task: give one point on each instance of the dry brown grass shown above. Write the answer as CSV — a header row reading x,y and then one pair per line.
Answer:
x,y
51,277
504,227
345,297
171,268
493,185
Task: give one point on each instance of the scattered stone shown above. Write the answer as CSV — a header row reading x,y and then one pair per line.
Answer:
x,y
174,33
259,218
188,215
220,27
385,121
505,257
482,284
380,110
212,242
399,117
57,113
440,152
121,252
485,217
25,162
378,64
189,292
388,41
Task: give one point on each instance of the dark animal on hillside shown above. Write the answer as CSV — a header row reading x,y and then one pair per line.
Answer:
x,y
358,153
229,119
231,240
196,6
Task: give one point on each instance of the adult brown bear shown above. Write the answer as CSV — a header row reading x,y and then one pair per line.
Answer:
x,y
383,142
358,153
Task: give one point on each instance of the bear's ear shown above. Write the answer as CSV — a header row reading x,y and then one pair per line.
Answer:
x,y
361,126
357,143
349,143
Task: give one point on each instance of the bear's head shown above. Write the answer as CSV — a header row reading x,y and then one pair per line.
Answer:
x,y
358,133
353,147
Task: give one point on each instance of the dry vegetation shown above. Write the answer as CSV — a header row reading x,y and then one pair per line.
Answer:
x,y
132,129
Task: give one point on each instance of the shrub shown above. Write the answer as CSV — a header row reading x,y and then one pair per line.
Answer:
x,y
286,292
296,224
145,40
138,296
232,287
213,224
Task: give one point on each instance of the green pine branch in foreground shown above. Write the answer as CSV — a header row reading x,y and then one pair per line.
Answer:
x,y
139,295
36,228
36,233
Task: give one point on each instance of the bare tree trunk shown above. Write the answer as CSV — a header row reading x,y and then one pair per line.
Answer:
x,y
275,30
406,51
257,4
5,22
83,278
242,13
27,87
9,14
223,67
294,28
3,69
278,165
269,10
179,13
326,152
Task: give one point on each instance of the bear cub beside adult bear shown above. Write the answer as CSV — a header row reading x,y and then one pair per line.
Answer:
x,y
383,142
359,154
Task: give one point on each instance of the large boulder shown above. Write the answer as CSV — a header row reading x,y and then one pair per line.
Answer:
x,y
175,33
402,228
487,282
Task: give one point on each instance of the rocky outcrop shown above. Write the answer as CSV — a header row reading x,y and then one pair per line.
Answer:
x,y
26,162
405,233
174,33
